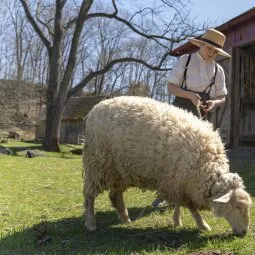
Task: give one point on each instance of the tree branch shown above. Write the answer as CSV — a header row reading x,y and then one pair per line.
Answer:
x,y
115,7
109,65
132,27
85,7
40,21
63,3
70,23
34,24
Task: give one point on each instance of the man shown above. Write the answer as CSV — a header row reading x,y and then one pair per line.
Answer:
x,y
197,82
203,82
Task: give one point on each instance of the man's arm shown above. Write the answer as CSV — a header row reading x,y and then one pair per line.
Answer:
x,y
179,92
214,103
220,100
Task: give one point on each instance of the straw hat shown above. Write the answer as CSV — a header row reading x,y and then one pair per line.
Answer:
x,y
213,38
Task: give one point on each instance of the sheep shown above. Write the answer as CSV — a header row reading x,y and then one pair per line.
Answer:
x,y
140,142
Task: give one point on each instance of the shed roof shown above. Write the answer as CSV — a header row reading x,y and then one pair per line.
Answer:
x,y
239,30
78,107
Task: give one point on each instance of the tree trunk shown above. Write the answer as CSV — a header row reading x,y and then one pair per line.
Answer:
x,y
53,128
55,107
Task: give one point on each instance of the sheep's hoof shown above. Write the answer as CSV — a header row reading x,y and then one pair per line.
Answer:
x,y
123,217
126,220
90,225
177,224
177,221
204,227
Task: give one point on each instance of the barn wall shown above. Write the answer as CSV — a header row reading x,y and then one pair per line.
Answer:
x,y
221,117
70,130
40,130
240,33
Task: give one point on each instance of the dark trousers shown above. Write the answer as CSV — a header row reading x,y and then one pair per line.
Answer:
x,y
187,104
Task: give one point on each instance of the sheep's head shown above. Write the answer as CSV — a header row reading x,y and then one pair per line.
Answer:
x,y
235,208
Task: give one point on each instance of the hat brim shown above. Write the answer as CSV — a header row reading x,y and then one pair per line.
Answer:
x,y
199,44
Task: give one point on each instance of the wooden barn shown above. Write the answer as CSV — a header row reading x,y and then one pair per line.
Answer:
x,y
236,119
73,123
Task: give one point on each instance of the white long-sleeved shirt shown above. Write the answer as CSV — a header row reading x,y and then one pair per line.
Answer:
x,y
199,75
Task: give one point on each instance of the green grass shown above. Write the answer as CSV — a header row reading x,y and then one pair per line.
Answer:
x,y
41,212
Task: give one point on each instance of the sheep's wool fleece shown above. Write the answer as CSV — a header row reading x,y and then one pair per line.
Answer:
x,y
139,142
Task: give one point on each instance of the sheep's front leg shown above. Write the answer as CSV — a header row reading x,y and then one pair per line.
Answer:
x,y
118,203
201,224
90,220
177,216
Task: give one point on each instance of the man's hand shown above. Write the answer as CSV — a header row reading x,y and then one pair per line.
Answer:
x,y
195,98
208,105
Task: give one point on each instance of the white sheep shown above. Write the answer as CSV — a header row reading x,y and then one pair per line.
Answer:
x,y
139,142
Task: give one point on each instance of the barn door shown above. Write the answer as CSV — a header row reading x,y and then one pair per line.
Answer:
x,y
247,96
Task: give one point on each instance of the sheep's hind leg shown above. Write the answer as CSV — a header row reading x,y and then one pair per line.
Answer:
x,y
201,224
177,216
118,203
90,220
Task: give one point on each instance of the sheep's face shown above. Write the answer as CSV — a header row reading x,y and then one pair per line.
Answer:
x,y
235,208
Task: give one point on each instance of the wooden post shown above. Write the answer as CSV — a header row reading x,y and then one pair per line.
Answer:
x,y
236,98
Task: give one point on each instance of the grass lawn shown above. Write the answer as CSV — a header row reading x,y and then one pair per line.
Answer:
x,y
41,212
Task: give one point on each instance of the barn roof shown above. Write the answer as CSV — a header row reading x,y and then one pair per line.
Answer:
x,y
239,30
78,107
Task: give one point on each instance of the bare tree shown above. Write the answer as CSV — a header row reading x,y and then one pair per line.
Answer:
x,y
60,74
22,52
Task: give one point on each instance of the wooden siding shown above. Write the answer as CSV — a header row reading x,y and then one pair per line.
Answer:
x,y
72,123
70,130
247,95
221,116
40,130
236,119
243,100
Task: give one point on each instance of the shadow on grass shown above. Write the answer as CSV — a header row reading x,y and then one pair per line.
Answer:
x,y
24,148
69,236
16,149
246,169
20,151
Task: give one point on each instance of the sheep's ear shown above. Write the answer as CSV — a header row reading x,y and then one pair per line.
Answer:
x,y
224,199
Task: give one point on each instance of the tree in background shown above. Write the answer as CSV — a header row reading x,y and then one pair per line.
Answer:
x,y
138,89
55,24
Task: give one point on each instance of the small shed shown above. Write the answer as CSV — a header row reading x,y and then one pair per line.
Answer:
x,y
236,119
72,123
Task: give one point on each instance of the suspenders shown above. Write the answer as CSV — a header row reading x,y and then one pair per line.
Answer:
x,y
185,73
184,85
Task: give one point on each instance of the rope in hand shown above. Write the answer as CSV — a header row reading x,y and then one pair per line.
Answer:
x,y
198,111
198,108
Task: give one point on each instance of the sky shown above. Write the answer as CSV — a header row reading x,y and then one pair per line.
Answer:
x,y
219,11
215,11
